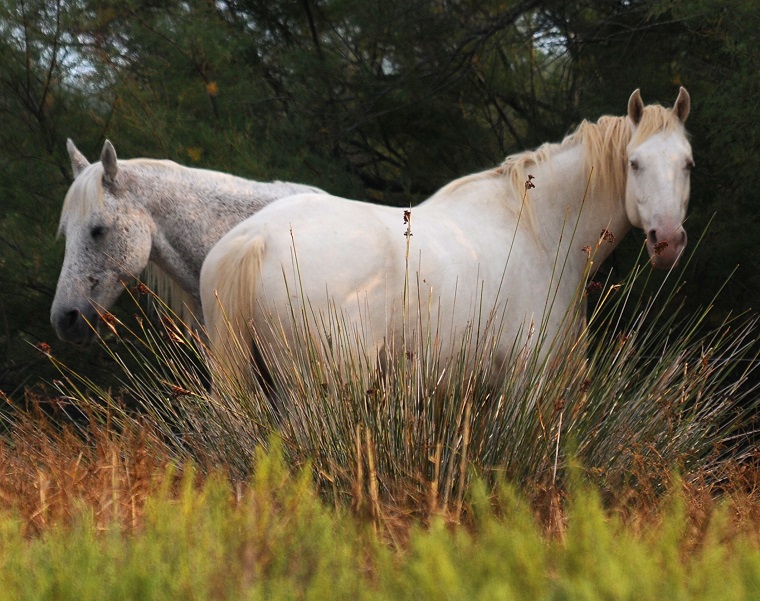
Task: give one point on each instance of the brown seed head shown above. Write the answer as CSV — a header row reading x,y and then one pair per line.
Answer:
x,y
140,289
177,391
109,319
593,288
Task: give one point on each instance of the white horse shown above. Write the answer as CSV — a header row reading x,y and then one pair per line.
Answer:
x,y
120,215
511,245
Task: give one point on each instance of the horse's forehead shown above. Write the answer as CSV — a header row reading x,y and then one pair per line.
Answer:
x,y
87,199
669,142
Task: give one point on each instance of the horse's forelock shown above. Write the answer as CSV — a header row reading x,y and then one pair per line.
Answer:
x,y
84,196
654,120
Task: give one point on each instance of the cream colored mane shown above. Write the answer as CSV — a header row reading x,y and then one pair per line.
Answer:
x,y
605,146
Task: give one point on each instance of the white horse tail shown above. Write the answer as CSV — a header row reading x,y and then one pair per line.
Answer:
x,y
228,283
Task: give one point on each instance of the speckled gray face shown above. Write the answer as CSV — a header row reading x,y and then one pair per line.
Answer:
x,y
104,250
118,215
108,241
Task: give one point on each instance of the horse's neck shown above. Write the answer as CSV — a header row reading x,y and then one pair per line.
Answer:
x,y
570,212
563,213
192,209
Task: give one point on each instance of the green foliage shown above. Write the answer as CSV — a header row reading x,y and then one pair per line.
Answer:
x,y
276,540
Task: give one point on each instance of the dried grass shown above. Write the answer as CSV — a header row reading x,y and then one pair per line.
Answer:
x,y
641,393
52,466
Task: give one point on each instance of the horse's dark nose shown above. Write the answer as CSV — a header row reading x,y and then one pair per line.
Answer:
x,y
666,246
678,237
69,319
71,325
66,323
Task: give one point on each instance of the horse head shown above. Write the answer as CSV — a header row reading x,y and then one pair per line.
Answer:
x,y
659,169
108,241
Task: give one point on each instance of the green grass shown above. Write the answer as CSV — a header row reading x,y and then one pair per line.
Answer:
x,y
278,540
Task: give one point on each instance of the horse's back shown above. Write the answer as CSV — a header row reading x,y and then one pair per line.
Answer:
x,y
297,252
325,254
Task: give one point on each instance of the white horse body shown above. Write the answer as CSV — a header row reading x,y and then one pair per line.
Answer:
x,y
453,267
119,216
476,256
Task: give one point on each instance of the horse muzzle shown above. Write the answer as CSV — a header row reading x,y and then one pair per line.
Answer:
x,y
73,325
666,245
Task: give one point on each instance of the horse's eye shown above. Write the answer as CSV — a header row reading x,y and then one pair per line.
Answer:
x,y
634,164
97,232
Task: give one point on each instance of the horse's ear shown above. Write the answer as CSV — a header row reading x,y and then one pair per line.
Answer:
x,y
78,160
635,107
683,105
110,165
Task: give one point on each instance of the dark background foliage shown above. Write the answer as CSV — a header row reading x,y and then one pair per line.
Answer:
x,y
384,101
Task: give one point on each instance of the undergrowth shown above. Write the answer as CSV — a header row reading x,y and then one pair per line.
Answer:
x,y
275,538
614,462
639,392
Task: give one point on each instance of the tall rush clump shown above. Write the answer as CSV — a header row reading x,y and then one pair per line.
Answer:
x,y
635,391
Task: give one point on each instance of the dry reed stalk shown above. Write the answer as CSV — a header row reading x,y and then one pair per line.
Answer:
x,y
374,488
358,496
433,505
404,303
556,450
463,460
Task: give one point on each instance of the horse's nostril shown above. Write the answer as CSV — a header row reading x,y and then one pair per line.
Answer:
x,y
652,236
70,318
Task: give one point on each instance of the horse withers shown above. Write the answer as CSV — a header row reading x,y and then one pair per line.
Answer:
x,y
510,245
119,216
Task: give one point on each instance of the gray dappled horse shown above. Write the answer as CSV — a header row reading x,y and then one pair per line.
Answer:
x,y
119,216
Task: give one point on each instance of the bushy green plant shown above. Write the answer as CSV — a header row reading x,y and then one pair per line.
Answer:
x,y
276,539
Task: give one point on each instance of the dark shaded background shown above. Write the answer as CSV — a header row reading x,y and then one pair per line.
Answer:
x,y
384,101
